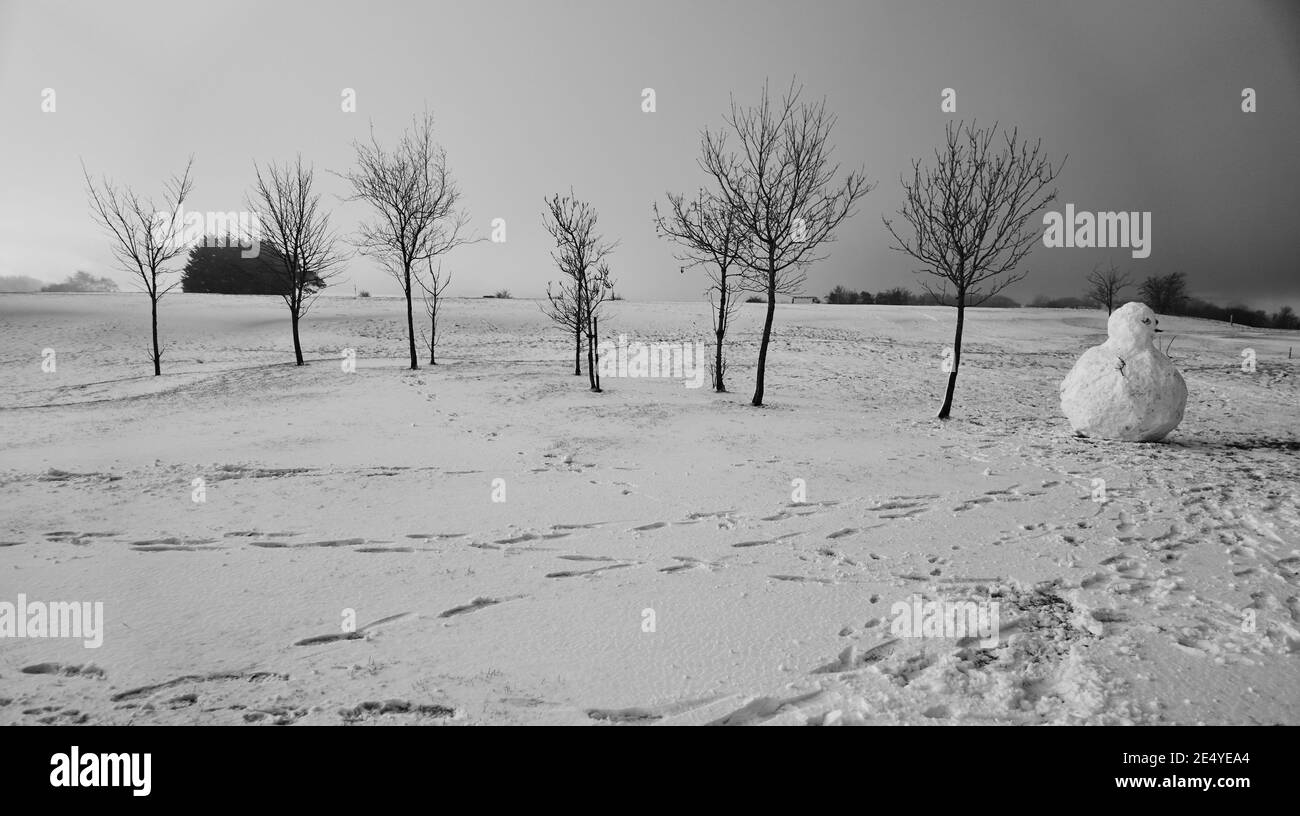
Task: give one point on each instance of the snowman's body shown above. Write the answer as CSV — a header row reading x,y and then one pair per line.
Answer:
x,y
1126,388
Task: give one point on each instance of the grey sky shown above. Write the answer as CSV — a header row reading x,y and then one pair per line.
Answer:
x,y
532,98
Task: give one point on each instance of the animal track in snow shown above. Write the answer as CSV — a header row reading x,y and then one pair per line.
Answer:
x,y
519,539
802,578
624,715
475,605
333,542
79,539
375,708
906,506
359,634
174,545
852,658
211,677
316,640
65,669
596,570
685,562
765,541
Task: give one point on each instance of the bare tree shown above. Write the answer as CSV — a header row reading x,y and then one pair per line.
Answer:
x,y
433,304
599,288
709,234
562,307
781,184
1165,294
1104,286
580,252
417,205
969,216
144,238
294,224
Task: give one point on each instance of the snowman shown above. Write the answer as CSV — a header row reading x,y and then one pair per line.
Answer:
x,y
1126,388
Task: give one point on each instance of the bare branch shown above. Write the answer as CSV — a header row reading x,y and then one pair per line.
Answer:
x,y
416,201
299,231
1104,286
580,252
970,214
144,237
779,180
708,233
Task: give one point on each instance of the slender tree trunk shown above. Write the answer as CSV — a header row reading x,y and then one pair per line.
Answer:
x,y
410,322
591,347
153,321
593,339
718,385
433,332
720,331
577,334
767,335
956,356
297,346
588,325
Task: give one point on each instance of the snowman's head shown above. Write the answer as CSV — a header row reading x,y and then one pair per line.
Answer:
x,y
1133,325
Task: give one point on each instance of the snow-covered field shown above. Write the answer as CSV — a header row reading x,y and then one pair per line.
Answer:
x,y
373,491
